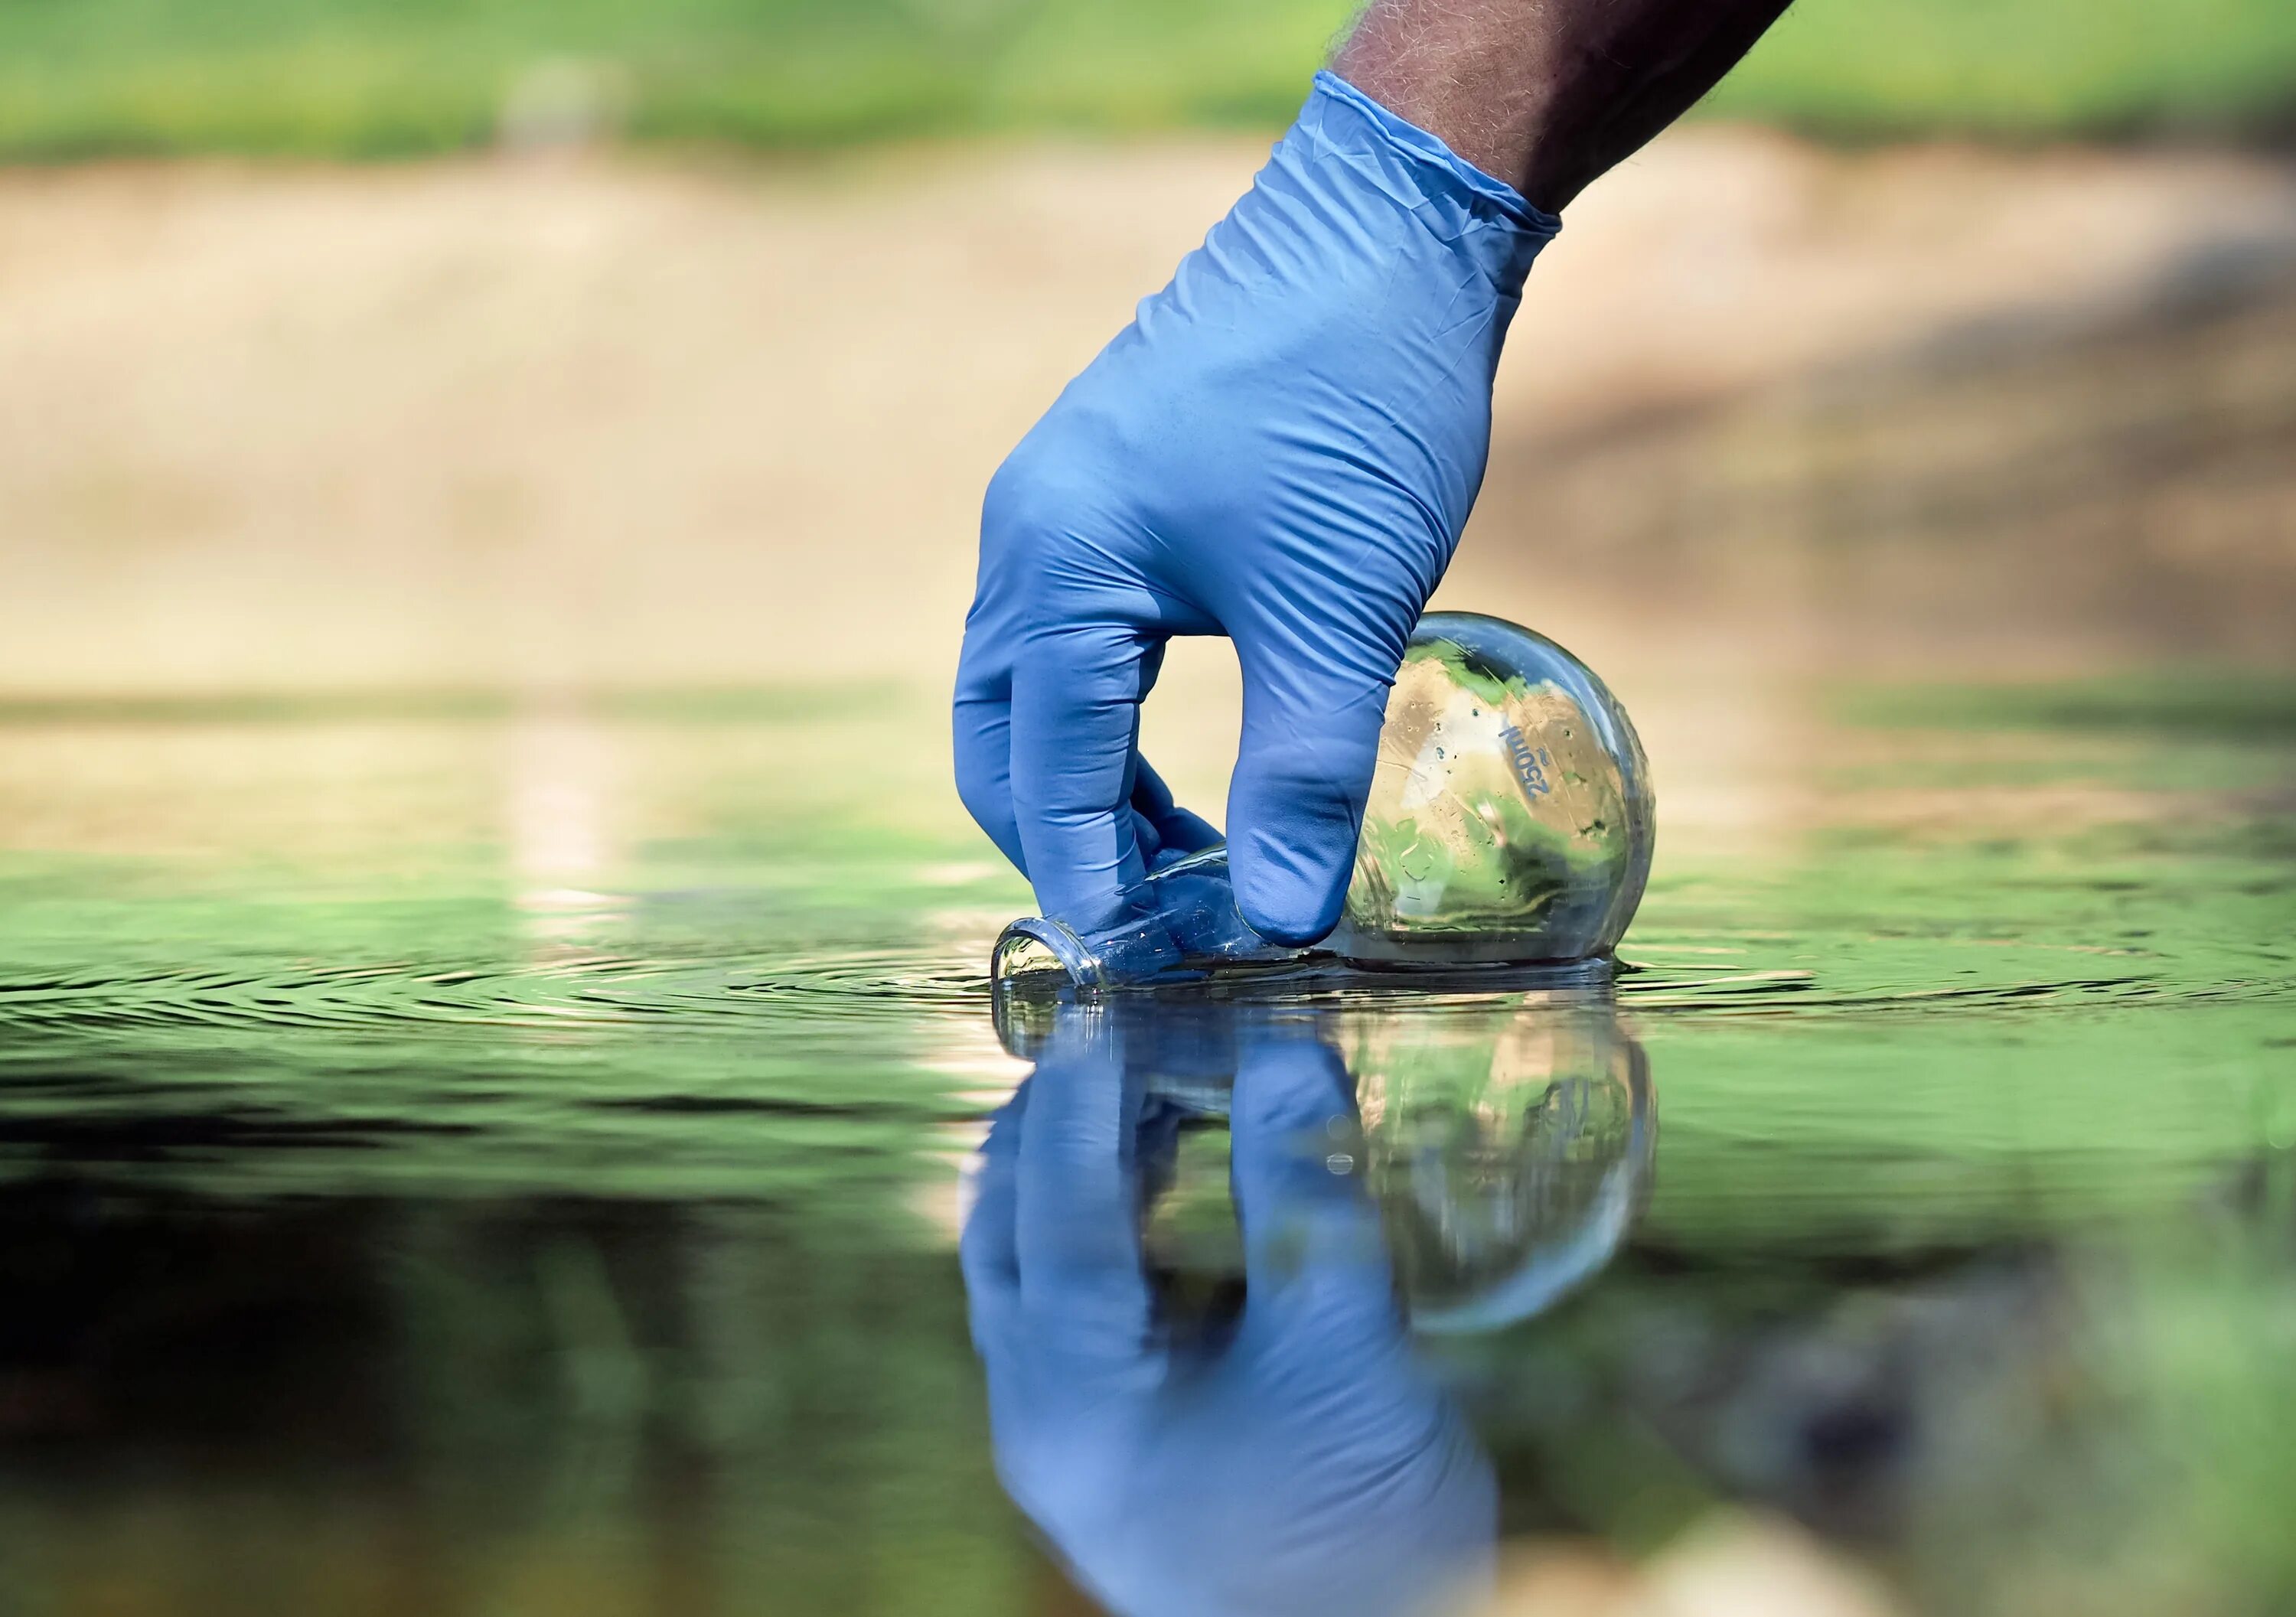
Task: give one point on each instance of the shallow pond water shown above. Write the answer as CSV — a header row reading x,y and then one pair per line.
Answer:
x,y
464,1156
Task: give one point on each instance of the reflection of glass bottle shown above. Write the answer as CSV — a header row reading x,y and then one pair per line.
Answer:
x,y
1510,820
1506,1145
1508,1151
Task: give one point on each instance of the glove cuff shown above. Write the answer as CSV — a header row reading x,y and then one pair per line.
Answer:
x,y
1460,202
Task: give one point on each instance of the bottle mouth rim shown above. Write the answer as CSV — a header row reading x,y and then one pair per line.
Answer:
x,y
1006,971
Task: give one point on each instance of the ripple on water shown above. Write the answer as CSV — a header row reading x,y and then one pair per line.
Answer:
x,y
889,986
600,993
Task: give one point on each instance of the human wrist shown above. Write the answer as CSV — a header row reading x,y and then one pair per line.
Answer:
x,y
1463,206
1547,94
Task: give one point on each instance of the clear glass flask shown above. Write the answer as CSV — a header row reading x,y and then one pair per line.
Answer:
x,y
1510,816
1510,820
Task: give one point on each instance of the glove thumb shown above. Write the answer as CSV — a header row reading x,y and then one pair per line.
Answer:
x,y
1310,740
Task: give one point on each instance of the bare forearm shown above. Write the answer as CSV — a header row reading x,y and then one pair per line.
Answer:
x,y
1548,94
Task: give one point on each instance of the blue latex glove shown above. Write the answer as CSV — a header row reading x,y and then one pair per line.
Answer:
x,y
1282,447
1307,1464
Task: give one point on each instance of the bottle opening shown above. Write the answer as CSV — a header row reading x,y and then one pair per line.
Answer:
x,y
1034,956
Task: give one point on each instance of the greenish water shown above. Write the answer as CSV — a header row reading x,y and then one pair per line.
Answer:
x,y
458,1158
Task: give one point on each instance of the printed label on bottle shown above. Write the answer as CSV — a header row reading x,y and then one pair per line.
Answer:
x,y
1530,764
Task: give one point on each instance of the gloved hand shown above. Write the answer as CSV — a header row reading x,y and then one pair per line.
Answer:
x,y
1307,1463
1282,447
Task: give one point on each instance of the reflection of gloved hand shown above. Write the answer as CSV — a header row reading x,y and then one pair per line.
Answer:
x,y
1305,1465
1282,447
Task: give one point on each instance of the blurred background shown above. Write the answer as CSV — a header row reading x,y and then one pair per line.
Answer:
x,y
494,345
490,1016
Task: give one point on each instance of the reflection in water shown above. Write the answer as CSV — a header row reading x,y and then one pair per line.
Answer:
x,y
1507,1153
1270,1441
369,1247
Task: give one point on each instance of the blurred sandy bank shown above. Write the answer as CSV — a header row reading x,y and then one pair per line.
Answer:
x,y
569,424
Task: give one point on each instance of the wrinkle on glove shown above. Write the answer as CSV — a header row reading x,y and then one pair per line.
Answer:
x,y
1282,447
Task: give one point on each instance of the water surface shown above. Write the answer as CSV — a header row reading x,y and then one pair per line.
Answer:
x,y
464,1155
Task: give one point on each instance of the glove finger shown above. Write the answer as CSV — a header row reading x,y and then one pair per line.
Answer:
x,y
1316,1269
1310,741
1076,715
982,731
1166,830
1076,1230
987,1251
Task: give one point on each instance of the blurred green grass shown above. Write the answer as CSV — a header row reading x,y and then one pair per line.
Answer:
x,y
389,77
